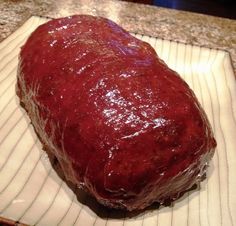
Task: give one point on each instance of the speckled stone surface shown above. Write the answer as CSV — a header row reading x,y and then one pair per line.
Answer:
x,y
196,29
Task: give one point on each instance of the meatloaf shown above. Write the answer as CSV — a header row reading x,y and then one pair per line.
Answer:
x,y
123,126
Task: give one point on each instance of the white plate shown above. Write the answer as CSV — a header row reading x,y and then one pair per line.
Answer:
x,y
32,193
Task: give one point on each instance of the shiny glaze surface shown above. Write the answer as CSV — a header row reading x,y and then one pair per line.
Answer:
x,y
121,123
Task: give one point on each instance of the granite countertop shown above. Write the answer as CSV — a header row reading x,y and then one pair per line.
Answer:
x,y
191,28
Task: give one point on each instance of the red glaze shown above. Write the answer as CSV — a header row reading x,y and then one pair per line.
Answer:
x,y
121,123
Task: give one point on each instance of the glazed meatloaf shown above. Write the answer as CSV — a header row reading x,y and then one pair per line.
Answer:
x,y
123,126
